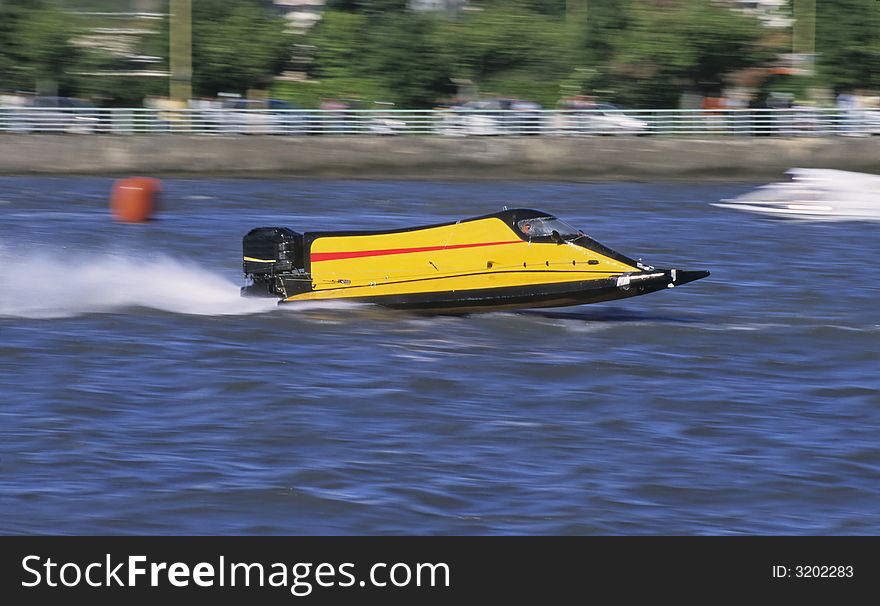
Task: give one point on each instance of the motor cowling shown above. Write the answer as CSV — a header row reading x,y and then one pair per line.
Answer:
x,y
273,258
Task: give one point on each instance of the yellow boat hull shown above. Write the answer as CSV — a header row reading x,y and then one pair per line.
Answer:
x,y
489,262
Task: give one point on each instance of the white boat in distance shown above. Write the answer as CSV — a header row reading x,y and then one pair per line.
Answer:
x,y
815,194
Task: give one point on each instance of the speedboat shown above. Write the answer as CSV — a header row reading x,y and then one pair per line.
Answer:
x,y
512,259
817,194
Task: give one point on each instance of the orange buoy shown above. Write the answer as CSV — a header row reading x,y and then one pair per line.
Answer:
x,y
134,200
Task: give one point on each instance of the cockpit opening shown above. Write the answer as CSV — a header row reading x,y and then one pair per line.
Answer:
x,y
544,227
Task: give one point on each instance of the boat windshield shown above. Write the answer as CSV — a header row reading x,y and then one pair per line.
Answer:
x,y
545,226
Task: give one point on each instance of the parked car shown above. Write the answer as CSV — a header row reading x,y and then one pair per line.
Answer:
x,y
585,117
492,117
609,119
472,118
386,125
523,117
863,120
55,115
263,117
385,122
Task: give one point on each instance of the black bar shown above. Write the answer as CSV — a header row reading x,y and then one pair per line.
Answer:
x,y
517,570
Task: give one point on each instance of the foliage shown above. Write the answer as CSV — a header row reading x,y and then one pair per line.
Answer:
x,y
237,45
671,47
359,92
501,40
418,58
368,6
635,52
36,46
557,8
408,61
395,49
642,52
340,43
848,44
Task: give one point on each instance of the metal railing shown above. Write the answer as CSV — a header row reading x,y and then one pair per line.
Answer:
x,y
799,122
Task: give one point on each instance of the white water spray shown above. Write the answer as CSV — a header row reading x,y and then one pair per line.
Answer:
x,y
44,285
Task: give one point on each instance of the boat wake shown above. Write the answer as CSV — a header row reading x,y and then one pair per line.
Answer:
x,y
43,285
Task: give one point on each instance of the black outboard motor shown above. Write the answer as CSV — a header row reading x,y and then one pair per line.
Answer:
x,y
274,259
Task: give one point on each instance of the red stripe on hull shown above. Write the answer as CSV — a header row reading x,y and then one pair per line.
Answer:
x,y
335,256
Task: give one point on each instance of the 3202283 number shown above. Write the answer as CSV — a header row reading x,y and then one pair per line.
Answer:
x,y
817,571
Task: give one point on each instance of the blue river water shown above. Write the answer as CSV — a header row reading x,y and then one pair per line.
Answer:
x,y
139,394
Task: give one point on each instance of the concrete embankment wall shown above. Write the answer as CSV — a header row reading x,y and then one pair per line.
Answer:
x,y
587,158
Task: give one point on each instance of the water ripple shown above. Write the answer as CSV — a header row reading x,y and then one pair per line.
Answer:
x,y
140,394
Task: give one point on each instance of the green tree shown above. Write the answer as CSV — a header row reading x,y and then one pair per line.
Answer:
x,y
408,62
36,46
368,6
600,24
848,44
672,46
237,45
509,52
395,50
556,8
341,44
642,53
414,57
